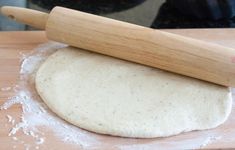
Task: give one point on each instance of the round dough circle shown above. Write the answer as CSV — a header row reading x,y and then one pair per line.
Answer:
x,y
110,96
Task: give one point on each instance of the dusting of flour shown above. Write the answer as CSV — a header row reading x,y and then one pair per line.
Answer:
x,y
36,115
34,112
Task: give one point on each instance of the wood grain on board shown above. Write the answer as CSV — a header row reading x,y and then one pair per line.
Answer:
x,y
13,44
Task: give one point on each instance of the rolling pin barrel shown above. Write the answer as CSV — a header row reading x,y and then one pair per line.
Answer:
x,y
171,52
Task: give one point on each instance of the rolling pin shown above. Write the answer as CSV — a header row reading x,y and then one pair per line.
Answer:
x,y
155,48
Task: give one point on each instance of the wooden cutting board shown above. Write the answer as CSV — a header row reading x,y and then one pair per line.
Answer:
x,y
12,44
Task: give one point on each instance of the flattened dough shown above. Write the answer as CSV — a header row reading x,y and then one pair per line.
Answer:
x,y
111,96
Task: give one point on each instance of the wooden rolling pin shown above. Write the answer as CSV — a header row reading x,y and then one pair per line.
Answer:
x,y
167,51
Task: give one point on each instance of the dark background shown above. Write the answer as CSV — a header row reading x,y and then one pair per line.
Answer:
x,y
150,13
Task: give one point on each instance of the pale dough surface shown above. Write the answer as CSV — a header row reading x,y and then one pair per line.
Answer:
x,y
111,96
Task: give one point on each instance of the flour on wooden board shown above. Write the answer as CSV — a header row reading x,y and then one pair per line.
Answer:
x,y
36,115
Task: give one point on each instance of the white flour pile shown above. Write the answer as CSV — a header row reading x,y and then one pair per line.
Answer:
x,y
35,115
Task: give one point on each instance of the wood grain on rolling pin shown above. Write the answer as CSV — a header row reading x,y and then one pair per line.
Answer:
x,y
183,55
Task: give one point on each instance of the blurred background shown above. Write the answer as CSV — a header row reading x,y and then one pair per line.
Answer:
x,y
160,14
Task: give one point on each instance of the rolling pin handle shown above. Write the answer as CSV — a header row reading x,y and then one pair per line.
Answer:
x,y
30,17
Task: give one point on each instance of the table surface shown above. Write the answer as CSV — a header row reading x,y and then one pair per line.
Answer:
x,y
14,43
